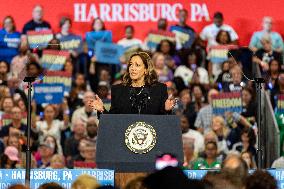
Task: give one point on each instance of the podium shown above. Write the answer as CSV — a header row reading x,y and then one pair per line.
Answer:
x,y
129,143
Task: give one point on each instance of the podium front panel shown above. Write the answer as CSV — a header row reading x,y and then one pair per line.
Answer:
x,y
113,153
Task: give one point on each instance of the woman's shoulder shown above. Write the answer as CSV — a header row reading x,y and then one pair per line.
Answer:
x,y
118,86
159,85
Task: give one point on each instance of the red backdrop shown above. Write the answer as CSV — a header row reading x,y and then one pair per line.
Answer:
x,y
244,16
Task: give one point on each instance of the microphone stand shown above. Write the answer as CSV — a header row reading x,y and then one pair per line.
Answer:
x,y
29,80
260,149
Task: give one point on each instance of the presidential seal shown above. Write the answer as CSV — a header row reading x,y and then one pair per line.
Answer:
x,y
140,137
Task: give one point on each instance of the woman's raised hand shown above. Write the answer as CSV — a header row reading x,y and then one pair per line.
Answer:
x,y
170,103
97,104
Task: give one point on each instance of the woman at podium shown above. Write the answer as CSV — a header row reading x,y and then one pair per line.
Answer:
x,y
140,92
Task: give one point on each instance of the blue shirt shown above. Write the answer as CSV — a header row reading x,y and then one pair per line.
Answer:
x,y
276,39
9,45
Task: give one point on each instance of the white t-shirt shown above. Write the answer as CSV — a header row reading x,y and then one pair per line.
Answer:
x,y
186,74
210,32
126,43
55,131
198,139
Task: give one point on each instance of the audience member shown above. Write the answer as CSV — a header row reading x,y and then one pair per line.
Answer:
x,y
37,23
11,40
276,39
210,32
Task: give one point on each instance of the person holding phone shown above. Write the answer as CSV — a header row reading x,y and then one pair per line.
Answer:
x,y
140,92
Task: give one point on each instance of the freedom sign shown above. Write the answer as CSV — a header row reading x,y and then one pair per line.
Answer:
x,y
54,59
62,77
280,104
154,37
108,53
64,177
227,102
39,39
219,54
49,93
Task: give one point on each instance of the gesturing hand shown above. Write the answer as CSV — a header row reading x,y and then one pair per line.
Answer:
x,y
170,103
96,104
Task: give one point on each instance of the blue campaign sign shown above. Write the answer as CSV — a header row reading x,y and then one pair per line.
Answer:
x,y
71,42
184,37
94,36
108,52
64,177
49,93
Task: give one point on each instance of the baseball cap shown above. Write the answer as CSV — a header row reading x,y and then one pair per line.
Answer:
x,y
12,153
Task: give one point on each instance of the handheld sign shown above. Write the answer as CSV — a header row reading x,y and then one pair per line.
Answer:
x,y
54,59
62,77
154,37
49,93
218,54
184,37
227,102
39,39
108,53
71,42
64,177
280,104
95,36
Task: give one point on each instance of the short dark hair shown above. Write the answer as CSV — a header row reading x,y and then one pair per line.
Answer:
x,y
261,180
183,10
218,15
129,26
63,20
251,135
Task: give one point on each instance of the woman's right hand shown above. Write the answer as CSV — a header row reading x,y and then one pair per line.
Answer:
x,y
97,104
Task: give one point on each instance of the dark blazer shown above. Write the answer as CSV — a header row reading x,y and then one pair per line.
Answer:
x,y
154,104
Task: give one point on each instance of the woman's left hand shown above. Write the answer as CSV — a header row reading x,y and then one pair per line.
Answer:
x,y
170,103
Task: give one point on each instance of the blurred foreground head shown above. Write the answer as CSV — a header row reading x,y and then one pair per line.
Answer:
x,y
261,180
169,178
85,182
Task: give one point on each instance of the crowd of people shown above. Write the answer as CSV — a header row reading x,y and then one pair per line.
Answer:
x,y
233,175
64,135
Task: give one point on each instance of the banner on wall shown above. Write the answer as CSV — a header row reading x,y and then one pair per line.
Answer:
x,y
154,37
54,60
62,77
143,15
64,177
49,93
227,102
39,39
108,53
